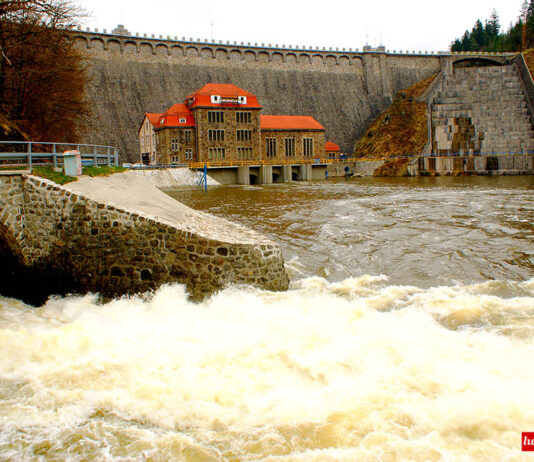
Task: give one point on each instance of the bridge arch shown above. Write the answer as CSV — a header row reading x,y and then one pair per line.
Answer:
x,y
481,60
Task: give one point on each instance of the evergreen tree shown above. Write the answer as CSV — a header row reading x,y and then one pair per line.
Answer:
x,y
493,26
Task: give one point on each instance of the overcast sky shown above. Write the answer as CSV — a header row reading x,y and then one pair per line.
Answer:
x,y
399,25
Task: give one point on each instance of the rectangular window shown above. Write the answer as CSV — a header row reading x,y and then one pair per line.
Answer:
x,y
270,147
175,159
188,154
215,117
244,153
215,135
175,146
187,136
290,147
244,135
307,146
243,117
216,153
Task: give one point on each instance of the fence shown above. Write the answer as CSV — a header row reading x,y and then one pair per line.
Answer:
x,y
36,153
526,80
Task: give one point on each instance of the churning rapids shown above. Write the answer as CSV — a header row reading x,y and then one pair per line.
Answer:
x,y
407,334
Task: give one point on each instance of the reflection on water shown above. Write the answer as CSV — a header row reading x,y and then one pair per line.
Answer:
x,y
406,336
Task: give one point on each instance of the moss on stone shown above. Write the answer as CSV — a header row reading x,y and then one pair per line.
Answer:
x,y
102,171
50,174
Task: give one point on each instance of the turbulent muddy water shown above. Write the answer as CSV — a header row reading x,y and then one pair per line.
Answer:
x,y
407,334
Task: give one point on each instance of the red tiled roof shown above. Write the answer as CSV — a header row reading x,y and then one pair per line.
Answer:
x,y
202,97
286,122
331,147
153,118
172,117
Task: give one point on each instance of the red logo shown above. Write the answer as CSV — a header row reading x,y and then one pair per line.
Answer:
x,y
527,441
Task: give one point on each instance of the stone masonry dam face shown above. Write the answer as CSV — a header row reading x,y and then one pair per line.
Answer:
x,y
73,239
343,91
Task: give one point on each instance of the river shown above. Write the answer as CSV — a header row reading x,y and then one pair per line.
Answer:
x,y
407,334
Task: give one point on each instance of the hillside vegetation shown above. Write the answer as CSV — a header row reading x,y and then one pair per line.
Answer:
x,y
400,130
529,59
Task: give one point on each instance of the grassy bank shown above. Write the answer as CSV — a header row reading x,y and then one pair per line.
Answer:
x,y
60,178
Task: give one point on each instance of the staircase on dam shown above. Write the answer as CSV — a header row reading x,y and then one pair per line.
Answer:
x,y
481,110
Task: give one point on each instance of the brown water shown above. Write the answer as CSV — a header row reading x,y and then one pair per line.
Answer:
x,y
407,335
420,231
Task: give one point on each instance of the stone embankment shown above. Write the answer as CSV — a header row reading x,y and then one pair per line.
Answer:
x,y
170,177
120,235
358,168
481,110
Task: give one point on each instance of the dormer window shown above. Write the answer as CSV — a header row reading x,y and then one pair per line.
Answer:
x,y
162,120
182,120
242,99
215,99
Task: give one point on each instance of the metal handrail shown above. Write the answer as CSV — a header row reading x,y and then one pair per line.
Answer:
x,y
527,81
51,153
253,163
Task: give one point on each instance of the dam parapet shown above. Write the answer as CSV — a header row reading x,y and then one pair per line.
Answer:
x,y
136,243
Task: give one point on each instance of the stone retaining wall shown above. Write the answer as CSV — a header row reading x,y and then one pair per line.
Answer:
x,y
112,250
520,164
362,168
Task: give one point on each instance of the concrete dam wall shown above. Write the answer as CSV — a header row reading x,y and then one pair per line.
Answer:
x,y
343,90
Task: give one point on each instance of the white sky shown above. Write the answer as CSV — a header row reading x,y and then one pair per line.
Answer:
x,y
399,25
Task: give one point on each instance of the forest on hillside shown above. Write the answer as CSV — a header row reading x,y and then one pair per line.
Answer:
x,y
488,36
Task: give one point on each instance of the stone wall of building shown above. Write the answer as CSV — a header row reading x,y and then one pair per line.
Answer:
x,y
93,246
298,135
343,90
230,127
167,154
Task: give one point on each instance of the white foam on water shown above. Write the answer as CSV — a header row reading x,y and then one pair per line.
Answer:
x,y
354,370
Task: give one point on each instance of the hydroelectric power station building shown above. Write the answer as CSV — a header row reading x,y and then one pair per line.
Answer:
x,y
222,122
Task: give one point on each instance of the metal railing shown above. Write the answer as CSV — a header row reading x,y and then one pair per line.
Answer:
x,y
253,163
39,153
526,80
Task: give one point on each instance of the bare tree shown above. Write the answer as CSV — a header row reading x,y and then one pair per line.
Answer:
x,y
41,74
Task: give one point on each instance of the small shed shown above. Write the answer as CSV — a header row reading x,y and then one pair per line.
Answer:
x,y
332,149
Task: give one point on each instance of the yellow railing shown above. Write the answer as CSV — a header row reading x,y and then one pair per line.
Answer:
x,y
255,163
